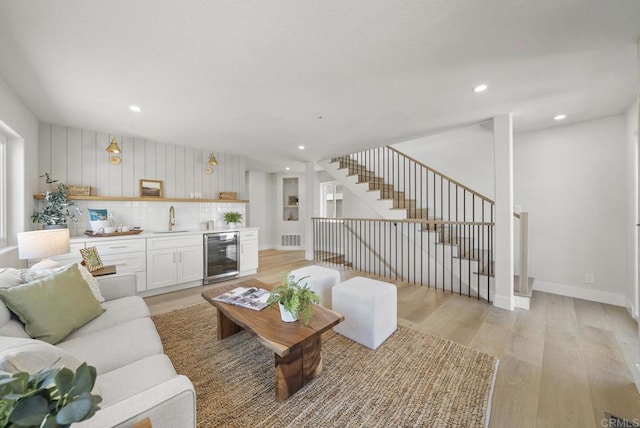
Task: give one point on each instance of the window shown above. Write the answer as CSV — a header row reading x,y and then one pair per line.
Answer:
x,y
3,191
331,199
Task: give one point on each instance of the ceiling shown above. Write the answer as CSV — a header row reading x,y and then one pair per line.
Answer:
x,y
258,78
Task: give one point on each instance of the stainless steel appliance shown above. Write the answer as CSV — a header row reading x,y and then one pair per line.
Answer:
x,y
220,256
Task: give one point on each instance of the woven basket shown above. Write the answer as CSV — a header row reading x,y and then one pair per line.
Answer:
x,y
73,190
229,196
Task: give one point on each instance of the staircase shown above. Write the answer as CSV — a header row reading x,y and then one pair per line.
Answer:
x,y
456,221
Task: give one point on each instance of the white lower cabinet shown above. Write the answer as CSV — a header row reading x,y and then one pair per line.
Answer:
x,y
172,261
162,268
248,252
128,255
190,264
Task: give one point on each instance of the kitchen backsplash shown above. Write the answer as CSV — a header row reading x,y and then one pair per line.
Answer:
x,y
154,216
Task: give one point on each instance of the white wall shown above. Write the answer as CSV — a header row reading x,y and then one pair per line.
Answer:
x,y
21,128
260,210
466,155
352,205
572,181
632,118
78,156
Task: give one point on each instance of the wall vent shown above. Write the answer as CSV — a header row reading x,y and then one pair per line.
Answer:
x,y
290,240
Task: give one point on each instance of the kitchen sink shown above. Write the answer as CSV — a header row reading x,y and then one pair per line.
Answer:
x,y
172,231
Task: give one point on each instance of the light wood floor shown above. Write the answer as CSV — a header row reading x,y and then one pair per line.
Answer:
x,y
562,364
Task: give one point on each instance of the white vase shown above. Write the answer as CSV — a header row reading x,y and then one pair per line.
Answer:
x,y
286,315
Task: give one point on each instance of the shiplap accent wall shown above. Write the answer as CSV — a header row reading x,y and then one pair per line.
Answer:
x,y
78,156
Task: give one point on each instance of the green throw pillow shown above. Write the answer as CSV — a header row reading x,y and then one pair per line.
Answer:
x,y
53,307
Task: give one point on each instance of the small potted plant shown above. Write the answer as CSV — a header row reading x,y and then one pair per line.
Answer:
x,y
57,209
50,398
232,218
293,299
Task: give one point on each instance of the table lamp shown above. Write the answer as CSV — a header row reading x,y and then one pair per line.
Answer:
x,y
43,244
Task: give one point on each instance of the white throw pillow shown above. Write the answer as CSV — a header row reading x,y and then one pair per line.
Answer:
x,y
31,355
28,275
93,283
9,277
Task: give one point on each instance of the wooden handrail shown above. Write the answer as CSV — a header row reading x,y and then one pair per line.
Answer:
x,y
523,283
408,220
457,183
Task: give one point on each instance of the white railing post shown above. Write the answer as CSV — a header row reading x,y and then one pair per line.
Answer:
x,y
503,255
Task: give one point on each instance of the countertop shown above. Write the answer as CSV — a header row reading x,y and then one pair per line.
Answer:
x,y
151,234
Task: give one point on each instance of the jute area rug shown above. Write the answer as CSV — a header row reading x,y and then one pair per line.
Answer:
x,y
412,379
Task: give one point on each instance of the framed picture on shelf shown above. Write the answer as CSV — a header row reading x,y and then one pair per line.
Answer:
x,y
293,200
98,214
150,188
91,259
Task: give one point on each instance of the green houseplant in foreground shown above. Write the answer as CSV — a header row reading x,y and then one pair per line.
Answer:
x,y
50,398
295,298
55,209
232,217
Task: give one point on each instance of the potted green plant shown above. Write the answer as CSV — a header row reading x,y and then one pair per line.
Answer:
x,y
293,299
50,398
232,217
57,209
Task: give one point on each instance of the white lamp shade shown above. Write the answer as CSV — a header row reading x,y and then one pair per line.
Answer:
x,y
43,243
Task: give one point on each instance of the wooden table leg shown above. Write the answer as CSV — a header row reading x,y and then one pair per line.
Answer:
x,y
226,327
301,365
311,357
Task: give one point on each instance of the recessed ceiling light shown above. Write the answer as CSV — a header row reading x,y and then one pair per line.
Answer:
x,y
480,88
287,168
301,147
135,108
560,117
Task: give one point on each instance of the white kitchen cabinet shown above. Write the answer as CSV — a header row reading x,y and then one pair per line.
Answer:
x,y
128,255
162,268
248,252
190,264
174,260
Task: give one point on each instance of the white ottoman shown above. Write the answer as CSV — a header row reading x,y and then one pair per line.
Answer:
x,y
370,310
321,280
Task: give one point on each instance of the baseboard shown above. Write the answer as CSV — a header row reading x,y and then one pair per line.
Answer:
x,y
266,247
580,293
504,302
522,302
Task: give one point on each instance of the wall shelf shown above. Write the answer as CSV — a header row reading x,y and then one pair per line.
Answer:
x,y
137,199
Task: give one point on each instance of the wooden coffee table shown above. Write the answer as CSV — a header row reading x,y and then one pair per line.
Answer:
x,y
297,347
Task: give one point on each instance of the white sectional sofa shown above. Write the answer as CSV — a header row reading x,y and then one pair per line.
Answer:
x,y
135,379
